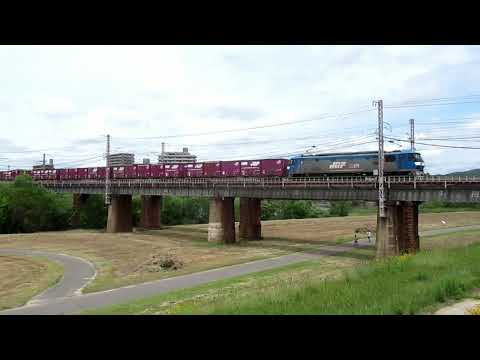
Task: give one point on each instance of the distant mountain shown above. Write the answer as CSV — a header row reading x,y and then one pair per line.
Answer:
x,y
473,172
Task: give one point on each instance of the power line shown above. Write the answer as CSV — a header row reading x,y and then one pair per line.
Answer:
x,y
250,128
412,101
437,145
437,104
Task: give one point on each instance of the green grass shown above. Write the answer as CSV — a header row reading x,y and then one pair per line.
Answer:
x,y
177,301
400,285
51,275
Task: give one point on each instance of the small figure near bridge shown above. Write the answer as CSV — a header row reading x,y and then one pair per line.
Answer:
x,y
355,240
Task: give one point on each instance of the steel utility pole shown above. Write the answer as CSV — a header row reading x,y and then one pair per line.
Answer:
x,y
412,134
163,151
43,162
381,158
107,173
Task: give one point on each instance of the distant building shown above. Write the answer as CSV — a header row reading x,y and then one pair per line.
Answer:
x,y
121,159
173,157
44,166
146,161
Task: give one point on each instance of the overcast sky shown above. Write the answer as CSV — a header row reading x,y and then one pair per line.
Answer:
x,y
62,100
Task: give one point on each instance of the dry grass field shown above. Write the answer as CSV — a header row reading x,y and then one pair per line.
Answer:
x,y
123,259
21,278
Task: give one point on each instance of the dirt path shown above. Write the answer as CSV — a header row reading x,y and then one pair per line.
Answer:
x,y
77,274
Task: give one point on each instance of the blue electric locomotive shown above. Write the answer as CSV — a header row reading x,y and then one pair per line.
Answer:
x,y
356,164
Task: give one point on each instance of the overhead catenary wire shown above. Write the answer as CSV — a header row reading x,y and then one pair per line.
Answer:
x,y
419,100
436,145
322,117
433,104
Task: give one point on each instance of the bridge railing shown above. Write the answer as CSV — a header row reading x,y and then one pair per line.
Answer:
x,y
351,181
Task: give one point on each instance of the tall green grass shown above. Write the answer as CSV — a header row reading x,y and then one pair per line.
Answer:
x,y
401,285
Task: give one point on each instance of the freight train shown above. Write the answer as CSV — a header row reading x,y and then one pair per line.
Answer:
x,y
340,164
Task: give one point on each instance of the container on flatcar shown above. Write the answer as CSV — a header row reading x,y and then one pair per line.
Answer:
x,y
212,169
36,174
274,167
62,174
231,168
45,175
250,168
96,172
82,173
12,174
143,171
51,174
72,174
194,170
118,172
131,171
174,170
157,171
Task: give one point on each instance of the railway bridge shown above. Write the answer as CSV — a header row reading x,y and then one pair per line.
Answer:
x,y
396,233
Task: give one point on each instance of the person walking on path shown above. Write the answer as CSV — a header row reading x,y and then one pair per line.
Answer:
x,y
355,240
369,236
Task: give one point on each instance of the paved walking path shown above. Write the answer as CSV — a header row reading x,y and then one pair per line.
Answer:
x,y
460,308
67,304
77,273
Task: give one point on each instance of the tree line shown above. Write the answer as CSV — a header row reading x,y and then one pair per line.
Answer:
x,y
26,207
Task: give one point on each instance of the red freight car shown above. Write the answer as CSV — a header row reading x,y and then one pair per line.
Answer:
x,y
274,167
174,170
231,168
82,173
2,175
212,169
71,174
251,168
118,172
157,171
36,174
96,172
194,170
12,174
131,171
45,174
62,174
143,171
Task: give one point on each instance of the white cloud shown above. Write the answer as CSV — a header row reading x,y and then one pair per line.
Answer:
x,y
56,96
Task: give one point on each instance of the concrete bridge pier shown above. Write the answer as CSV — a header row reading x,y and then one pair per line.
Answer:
x,y
407,222
250,219
221,227
397,233
120,214
150,216
79,201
